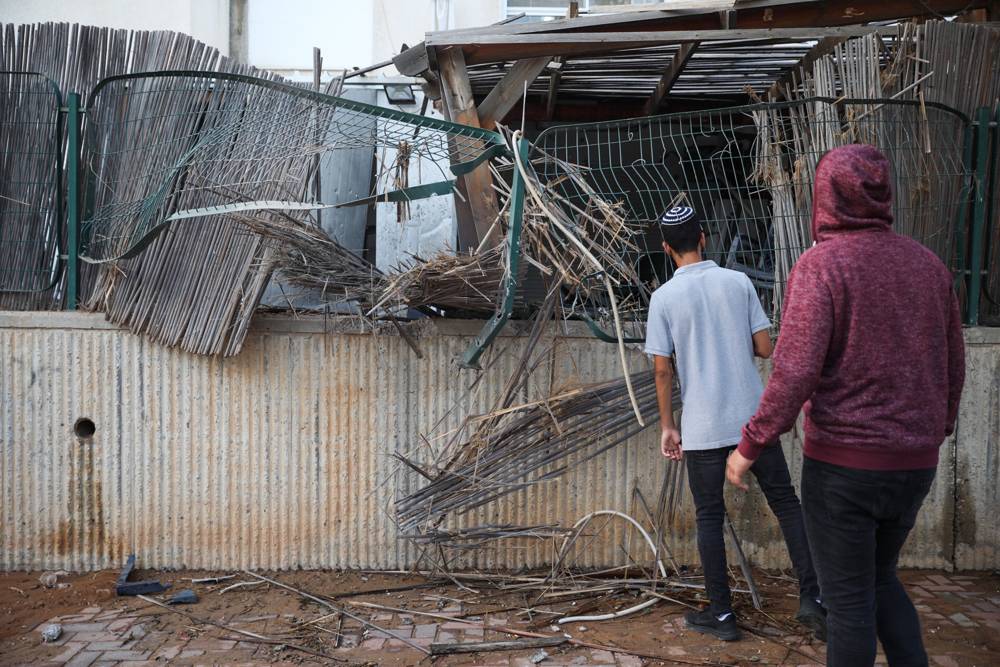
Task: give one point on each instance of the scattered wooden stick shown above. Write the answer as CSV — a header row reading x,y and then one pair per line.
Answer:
x,y
334,607
213,580
744,566
406,336
525,633
386,590
484,647
240,585
757,633
656,531
205,621
251,636
340,631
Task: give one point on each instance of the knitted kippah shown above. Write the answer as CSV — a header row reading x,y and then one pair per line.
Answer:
x,y
677,215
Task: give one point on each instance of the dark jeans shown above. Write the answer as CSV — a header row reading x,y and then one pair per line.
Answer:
x,y
857,522
707,478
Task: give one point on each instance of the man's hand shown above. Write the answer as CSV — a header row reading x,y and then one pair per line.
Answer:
x,y
736,467
670,444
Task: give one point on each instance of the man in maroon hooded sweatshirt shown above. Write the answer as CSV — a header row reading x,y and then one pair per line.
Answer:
x,y
871,343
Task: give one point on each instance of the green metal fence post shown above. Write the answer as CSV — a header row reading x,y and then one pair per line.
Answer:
x,y
978,215
73,202
492,328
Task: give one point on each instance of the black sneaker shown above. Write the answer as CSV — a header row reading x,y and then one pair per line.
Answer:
x,y
707,623
812,615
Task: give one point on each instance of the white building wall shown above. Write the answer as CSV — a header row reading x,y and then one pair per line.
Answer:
x,y
282,33
206,20
351,33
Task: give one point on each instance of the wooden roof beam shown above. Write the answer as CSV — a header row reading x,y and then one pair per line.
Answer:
x,y
414,60
745,15
509,90
669,78
479,211
499,47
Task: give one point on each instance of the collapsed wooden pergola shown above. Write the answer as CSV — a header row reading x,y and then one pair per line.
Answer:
x,y
636,63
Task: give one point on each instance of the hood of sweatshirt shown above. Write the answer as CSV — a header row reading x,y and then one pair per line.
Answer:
x,y
853,192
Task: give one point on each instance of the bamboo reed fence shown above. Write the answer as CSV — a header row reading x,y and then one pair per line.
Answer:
x,y
76,57
30,192
935,62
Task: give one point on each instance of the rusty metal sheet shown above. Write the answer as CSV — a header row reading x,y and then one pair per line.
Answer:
x,y
281,457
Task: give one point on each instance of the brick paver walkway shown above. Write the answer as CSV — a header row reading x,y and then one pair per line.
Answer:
x,y
97,637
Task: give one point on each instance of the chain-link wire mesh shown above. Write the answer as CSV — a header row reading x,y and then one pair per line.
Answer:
x,y
749,172
169,145
30,200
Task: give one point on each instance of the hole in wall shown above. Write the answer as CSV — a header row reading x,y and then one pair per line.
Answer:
x,y
84,428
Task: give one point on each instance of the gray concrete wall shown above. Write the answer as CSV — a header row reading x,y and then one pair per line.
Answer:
x,y
281,457
977,456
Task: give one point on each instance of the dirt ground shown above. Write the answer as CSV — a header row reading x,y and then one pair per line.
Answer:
x,y
960,614
24,602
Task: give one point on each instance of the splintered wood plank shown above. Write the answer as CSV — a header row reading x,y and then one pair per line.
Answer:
x,y
555,76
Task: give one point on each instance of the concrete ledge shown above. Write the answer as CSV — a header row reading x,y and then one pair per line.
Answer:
x,y
982,335
58,319
286,323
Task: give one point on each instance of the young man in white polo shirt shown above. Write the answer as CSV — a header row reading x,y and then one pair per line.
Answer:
x,y
708,322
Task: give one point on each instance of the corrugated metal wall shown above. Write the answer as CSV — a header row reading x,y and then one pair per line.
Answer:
x,y
281,456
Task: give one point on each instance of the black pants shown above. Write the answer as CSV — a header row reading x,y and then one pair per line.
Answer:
x,y
707,478
857,521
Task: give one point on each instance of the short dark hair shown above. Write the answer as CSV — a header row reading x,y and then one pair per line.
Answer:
x,y
680,228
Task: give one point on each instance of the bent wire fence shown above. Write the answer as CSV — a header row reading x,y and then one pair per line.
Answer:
x,y
168,155
171,158
168,146
181,150
749,171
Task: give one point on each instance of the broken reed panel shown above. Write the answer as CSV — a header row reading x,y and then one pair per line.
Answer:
x,y
968,53
197,285
531,443
927,185
308,258
462,281
935,62
176,157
